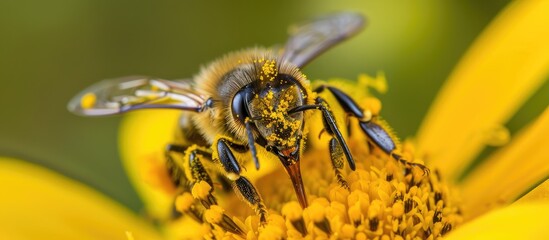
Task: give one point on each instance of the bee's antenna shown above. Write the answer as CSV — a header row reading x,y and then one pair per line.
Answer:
x,y
251,142
331,127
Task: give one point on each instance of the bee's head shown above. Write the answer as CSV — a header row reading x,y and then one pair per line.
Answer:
x,y
267,105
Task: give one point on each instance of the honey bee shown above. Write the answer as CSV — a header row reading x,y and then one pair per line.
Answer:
x,y
249,99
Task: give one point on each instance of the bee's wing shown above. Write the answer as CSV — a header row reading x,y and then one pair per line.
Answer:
x,y
120,95
310,39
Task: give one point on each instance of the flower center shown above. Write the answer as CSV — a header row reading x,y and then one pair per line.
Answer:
x,y
385,199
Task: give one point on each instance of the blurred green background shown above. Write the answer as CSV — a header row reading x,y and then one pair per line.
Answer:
x,y
50,50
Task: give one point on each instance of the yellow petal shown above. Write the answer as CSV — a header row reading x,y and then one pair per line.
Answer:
x,y
39,204
520,221
512,170
143,137
540,193
506,64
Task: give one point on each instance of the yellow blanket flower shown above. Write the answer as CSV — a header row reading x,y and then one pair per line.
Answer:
x,y
505,196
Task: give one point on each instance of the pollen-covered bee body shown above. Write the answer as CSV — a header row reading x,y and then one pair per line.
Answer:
x,y
249,100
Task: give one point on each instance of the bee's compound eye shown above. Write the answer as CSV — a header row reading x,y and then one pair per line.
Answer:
x,y
239,105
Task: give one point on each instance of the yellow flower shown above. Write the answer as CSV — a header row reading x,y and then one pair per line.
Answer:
x,y
501,70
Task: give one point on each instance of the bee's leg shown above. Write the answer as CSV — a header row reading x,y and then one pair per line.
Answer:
x,y
197,172
232,168
176,172
381,138
375,132
399,158
198,185
336,155
178,178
